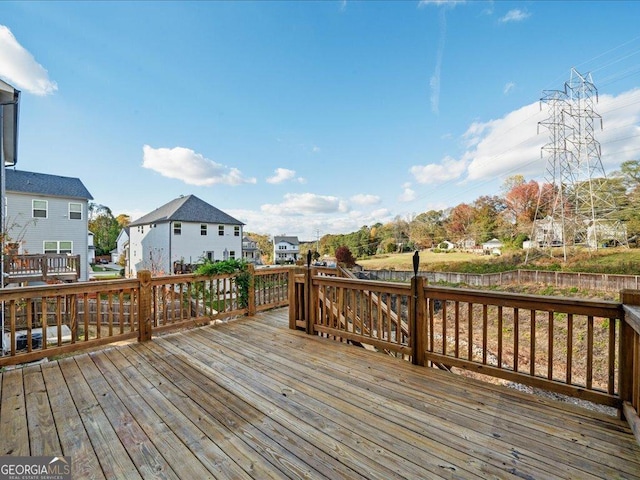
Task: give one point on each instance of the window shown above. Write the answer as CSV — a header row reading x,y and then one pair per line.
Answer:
x,y
203,229
232,254
210,256
236,231
39,208
177,228
221,230
75,211
63,246
282,247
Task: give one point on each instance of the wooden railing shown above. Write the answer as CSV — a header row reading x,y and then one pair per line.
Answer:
x,y
25,268
582,348
56,319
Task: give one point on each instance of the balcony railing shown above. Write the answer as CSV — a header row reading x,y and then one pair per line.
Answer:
x,y
41,267
51,320
582,348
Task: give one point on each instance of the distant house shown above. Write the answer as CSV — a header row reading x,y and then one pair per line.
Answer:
x,y
122,247
547,232
185,230
286,249
446,245
250,251
493,247
467,244
48,214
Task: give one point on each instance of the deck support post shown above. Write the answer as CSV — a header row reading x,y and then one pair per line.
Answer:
x,y
144,306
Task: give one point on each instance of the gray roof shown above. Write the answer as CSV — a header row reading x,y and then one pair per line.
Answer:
x,y
45,184
187,209
284,238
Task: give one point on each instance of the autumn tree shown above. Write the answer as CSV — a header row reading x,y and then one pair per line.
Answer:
x,y
459,222
344,255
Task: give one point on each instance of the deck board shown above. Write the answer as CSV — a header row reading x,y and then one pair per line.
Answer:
x,y
252,399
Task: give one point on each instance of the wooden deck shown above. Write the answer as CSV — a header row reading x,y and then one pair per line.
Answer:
x,y
252,399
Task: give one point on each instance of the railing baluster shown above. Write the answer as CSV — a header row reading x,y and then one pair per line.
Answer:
x,y
485,333
532,342
470,331
550,341
569,365
516,338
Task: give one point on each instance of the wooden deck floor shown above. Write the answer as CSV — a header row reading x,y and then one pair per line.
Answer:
x,y
252,399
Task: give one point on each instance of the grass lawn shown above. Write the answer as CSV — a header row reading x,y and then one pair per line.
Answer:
x,y
607,260
404,261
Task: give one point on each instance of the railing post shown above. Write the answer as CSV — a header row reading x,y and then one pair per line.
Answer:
x,y
144,306
626,353
419,333
251,297
293,307
418,323
308,276
44,264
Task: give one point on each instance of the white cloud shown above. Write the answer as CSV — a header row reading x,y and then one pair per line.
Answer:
x,y
440,3
283,175
408,194
20,69
304,204
508,88
448,169
498,148
190,167
515,15
364,199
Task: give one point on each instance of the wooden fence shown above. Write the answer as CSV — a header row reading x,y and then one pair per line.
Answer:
x,y
581,281
582,348
55,319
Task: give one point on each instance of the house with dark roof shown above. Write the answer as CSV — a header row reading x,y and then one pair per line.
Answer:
x,y
286,249
185,230
48,214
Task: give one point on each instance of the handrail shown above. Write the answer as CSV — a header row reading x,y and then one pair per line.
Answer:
x,y
565,345
42,321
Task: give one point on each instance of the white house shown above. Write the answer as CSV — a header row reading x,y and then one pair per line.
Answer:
x,y
250,251
285,249
48,214
186,230
493,247
91,252
122,247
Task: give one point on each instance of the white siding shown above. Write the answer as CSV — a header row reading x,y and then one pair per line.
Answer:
x,y
189,247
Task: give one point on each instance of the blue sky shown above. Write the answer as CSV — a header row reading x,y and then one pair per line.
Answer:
x,y
301,118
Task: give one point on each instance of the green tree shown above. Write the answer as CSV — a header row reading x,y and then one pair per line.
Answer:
x,y
105,228
427,230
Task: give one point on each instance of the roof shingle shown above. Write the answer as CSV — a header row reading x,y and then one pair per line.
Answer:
x,y
187,209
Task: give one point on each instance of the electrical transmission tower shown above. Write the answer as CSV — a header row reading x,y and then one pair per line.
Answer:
x,y
578,208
